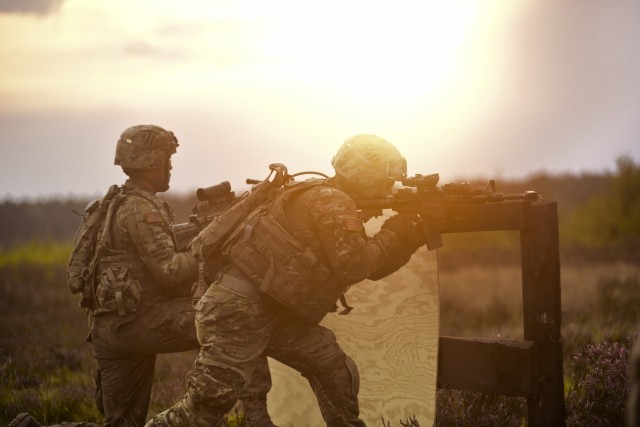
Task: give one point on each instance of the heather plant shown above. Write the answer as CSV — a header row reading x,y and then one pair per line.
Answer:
x,y
610,308
47,369
469,409
598,385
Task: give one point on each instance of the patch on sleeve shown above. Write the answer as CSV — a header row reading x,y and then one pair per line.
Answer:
x,y
352,223
153,217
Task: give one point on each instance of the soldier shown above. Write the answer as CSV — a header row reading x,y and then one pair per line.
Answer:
x,y
141,303
280,271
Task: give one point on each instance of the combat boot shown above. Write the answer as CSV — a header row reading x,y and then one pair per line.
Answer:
x,y
255,413
24,420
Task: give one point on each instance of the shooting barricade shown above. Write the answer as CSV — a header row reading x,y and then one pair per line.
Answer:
x,y
531,368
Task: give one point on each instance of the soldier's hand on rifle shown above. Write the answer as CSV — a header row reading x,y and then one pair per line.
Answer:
x,y
408,228
401,224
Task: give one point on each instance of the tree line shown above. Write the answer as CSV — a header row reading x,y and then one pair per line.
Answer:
x,y
598,212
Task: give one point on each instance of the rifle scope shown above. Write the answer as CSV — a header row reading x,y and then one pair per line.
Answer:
x,y
208,193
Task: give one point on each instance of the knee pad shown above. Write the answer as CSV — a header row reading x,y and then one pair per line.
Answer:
x,y
344,379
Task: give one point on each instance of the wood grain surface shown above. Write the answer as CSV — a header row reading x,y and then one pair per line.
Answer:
x,y
392,334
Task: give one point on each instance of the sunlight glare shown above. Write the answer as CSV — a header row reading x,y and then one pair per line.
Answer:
x,y
380,52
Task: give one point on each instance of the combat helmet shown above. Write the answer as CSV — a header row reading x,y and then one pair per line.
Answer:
x,y
145,147
369,164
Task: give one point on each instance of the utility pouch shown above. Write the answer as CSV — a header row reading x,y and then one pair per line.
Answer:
x,y
118,291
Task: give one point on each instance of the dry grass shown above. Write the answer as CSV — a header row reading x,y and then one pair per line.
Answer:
x,y
46,368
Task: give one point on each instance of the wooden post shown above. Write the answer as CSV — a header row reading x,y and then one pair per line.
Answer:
x,y
531,368
542,313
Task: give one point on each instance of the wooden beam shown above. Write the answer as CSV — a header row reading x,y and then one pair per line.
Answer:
x,y
487,366
486,217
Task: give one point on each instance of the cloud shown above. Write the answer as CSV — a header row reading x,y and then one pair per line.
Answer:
x,y
574,97
36,7
143,49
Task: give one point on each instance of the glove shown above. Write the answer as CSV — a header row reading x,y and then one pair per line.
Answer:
x,y
402,225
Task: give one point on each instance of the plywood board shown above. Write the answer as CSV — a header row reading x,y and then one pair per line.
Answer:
x,y
392,334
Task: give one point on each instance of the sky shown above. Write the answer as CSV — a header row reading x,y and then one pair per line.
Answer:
x,y
495,89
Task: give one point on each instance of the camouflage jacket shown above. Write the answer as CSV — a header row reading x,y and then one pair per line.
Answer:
x,y
141,252
325,252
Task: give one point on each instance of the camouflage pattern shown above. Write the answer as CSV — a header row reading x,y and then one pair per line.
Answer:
x,y
145,147
141,241
301,273
235,332
79,268
369,165
157,317
236,329
154,312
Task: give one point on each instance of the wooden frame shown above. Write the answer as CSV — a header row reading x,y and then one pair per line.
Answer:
x,y
531,368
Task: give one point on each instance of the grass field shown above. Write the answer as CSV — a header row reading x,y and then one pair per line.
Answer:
x,y
46,367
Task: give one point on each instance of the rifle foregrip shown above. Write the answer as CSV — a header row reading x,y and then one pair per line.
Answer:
x,y
433,240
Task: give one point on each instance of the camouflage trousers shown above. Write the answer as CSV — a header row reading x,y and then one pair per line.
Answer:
x,y
236,331
125,351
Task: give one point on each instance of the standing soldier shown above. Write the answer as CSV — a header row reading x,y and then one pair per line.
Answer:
x,y
280,271
139,299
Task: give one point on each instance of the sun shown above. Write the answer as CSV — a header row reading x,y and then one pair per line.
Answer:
x,y
381,52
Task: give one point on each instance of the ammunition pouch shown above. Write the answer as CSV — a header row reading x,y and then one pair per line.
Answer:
x,y
117,291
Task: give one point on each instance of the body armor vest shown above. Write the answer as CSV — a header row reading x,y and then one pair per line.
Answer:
x,y
292,273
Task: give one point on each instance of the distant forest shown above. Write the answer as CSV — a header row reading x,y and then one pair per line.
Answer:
x,y
596,211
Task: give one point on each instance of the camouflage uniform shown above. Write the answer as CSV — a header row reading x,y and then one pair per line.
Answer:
x,y
158,311
142,303
237,324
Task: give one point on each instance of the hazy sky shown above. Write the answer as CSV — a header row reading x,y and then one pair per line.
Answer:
x,y
465,88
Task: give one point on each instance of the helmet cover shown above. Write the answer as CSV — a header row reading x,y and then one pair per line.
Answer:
x,y
365,160
145,147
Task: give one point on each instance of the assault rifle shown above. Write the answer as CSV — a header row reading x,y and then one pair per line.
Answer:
x,y
212,202
421,195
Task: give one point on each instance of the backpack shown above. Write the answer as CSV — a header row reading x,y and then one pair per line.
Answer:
x,y
252,235
216,232
84,256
